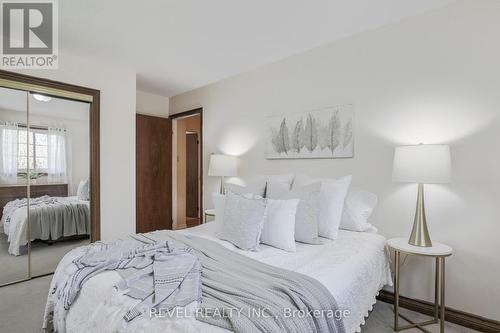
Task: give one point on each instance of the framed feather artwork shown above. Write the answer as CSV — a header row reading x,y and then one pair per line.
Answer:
x,y
325,133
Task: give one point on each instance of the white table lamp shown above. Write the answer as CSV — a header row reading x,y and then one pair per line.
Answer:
x,y
222,166
421,164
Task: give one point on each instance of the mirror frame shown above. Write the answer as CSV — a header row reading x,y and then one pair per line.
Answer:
x,y
33,84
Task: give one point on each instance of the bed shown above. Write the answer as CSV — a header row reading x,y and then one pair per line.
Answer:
x,y
51,218
353,268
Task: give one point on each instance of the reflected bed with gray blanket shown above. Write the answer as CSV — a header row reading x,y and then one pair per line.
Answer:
x,y
51,218
237,293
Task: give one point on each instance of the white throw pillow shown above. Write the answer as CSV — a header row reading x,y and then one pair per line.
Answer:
x,y
83,191
243,221
279,224
306,218
359,205
331,202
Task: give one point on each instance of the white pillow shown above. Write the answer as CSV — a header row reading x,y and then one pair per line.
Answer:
x,y
279,224
254,188
83,191
285,178
257,184
331,202
306,218
243,221
359,205
219,201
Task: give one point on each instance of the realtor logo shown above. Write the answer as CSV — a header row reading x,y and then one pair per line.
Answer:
x,y
29,34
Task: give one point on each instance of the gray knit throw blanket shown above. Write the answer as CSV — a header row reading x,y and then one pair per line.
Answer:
x,y
244,295
159,274
238,293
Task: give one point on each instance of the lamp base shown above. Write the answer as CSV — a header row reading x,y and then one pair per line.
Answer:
x,y
420,234
222,190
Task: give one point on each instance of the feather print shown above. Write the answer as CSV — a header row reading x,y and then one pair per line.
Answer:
x,y
283,140
333,132
310,137
297,136
347,134
320,133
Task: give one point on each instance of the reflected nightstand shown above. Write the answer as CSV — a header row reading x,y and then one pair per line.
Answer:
x,y
437,251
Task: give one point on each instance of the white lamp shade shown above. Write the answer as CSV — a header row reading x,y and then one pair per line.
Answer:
x,y
422,164
222,165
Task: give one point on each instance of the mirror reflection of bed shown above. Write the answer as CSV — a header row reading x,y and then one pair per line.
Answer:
x,y
44,182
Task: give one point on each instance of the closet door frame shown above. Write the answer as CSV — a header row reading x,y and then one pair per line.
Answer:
x,y
58,89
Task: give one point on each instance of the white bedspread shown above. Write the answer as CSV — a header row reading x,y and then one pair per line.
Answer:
x,y
353,268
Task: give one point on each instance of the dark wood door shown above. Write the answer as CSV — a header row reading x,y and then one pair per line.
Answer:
x,y
153,173
192,174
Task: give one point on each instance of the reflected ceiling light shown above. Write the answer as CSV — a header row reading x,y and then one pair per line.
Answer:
x,y
42,98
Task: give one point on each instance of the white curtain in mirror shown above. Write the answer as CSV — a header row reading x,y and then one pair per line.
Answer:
x,y
9,153
59,156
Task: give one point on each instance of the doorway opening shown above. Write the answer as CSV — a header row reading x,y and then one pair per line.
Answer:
x,y
187,169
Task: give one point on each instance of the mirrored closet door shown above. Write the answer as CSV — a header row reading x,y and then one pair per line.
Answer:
x,y
46,187
58,138
14,250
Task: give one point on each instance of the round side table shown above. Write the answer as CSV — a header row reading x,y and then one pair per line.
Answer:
x,y
437,251
209,213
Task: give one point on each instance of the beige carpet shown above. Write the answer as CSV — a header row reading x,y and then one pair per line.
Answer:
x,y
22,305
381,319
44,258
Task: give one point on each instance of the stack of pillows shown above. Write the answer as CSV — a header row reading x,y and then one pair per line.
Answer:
x,y
280,210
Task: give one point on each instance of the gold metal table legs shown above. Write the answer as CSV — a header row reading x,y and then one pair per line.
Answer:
x,y
439,293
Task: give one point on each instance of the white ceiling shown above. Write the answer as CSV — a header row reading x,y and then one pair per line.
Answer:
x,y
179,45
56,108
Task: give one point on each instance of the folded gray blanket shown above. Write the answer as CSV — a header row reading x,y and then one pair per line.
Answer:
x,y
245,295
51,221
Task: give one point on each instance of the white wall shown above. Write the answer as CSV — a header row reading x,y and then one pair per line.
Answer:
x,y
152,104
433,78
118,89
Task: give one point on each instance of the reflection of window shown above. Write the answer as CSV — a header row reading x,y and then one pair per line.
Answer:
x,y
34,143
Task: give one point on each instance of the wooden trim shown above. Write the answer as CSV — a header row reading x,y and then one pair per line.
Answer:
x,y
95,168
200,110
153,115
461,318
46,86
60,89
186,114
